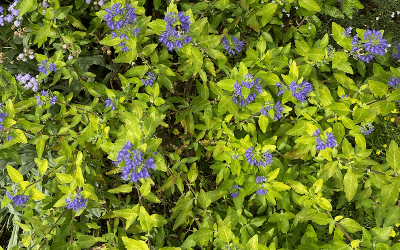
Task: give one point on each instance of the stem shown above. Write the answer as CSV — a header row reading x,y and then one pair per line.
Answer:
x,y
344,232
202,15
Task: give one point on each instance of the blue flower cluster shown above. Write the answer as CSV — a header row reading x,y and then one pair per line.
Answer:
x,y
347,31
372,44
136,167
149,80
110,103
265,160
367,129
300,91
121,21
28,81
249,83
234,47
177,31
2,116
280,88
278,110
330,140
394,82
19,199
77,203
45,97
262,180
43,68
12,13
235,194
118,17
396,47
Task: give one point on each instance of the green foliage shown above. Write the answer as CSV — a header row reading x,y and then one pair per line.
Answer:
x,y
210,151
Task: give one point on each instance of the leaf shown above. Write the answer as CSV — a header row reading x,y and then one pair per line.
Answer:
x,y
42,165
158,26
132,244
14,174
298,187
389,195
145,189
339,108
338,59
129,214
227,84
125,188
36,194
379,89
267,12
263,122
350,185
25,6
158,220
393,156
145,220
64,178
350,225
252,244
204,199
79,177
197,56
167,184
348,150
224,232
309,5
216,89
42,35
324,203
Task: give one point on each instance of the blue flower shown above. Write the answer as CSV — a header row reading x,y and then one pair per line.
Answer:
x,y
232,48
262,191
278,110
235,194
280,88
330,141
109,103
266,158
396,47
77,203
372,44
149,80
45,97
260,179
136,167
366,130
300,91
394,82
118,17
249,83
28,81
18,200
2,116
176,35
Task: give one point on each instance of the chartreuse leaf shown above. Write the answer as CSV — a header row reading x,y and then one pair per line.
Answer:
x,y
145,220
309,5
350,185
125,188
14,174
252,244
64,178
224,232
42,35
25,6
42,165
393,156
129,214
36,194
389,195
132,244
350,225
79,177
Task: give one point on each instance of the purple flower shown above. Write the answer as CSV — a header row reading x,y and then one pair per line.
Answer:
x,y
135,31
42,68
260,179
136,167
366,130
265,160
262,191
18,200
396,48
278,110
52,67
175,37
118,17
149,80
77,203
281,89
235,47
372,44
2,116
248,83
28,81
45,97
394,82
109,103
9,138
347,31
317,132
330,142
300,91
235,194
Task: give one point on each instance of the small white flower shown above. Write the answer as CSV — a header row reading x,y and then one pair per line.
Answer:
x,y
377,18
392,14
70,57
309,27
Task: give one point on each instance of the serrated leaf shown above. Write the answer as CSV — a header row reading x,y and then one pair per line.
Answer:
x,y
224,232
350,225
